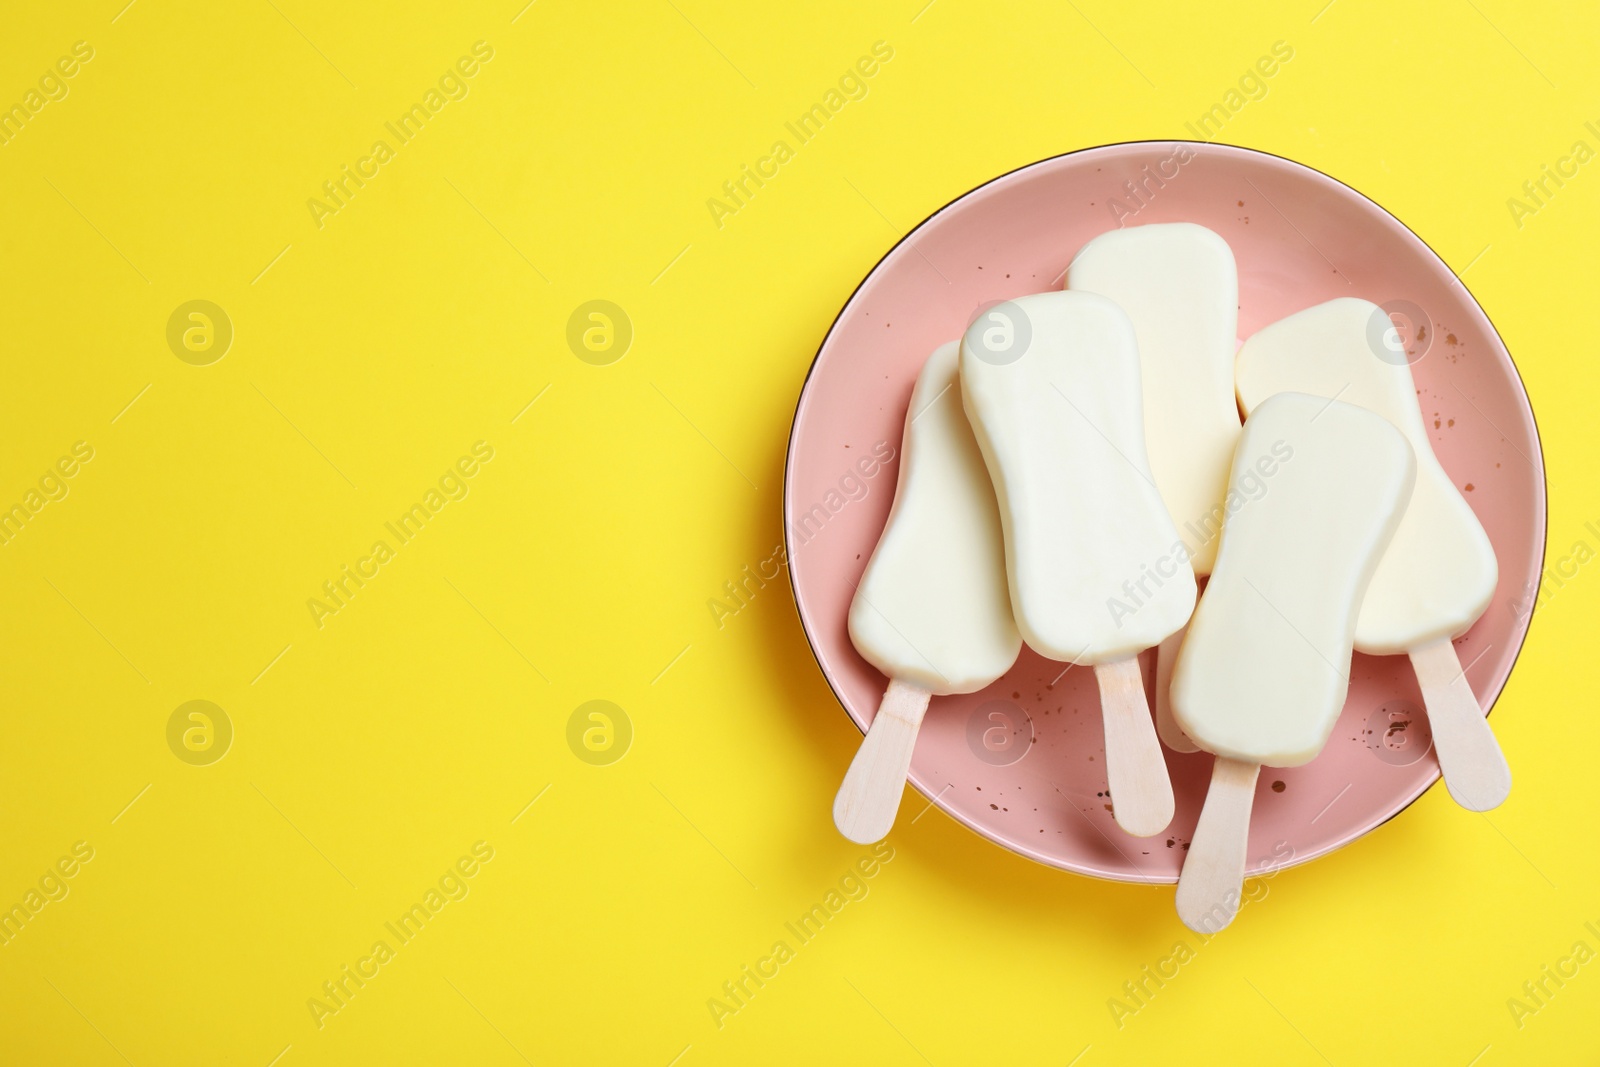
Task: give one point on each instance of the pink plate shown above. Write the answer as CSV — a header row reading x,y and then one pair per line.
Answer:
x,y
1023,762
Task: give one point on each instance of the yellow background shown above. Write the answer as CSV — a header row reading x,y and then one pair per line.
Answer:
x,y
372,352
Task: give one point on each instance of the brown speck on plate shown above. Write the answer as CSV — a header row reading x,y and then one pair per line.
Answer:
x,y
1468,487
1277,787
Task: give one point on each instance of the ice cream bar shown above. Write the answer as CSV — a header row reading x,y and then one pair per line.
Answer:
x,y
932,611
1179,284
932,607
1263,673
1096,567
1439,571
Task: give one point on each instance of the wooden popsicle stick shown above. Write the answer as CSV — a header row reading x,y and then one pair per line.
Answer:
x,y
1212,879
1141,792
1167,727
869,798
1475,770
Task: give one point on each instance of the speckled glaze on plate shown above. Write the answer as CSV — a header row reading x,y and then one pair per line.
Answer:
x,y
1023,762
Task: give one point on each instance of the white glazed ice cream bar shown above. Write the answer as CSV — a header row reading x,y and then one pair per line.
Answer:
x,y
1066,476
